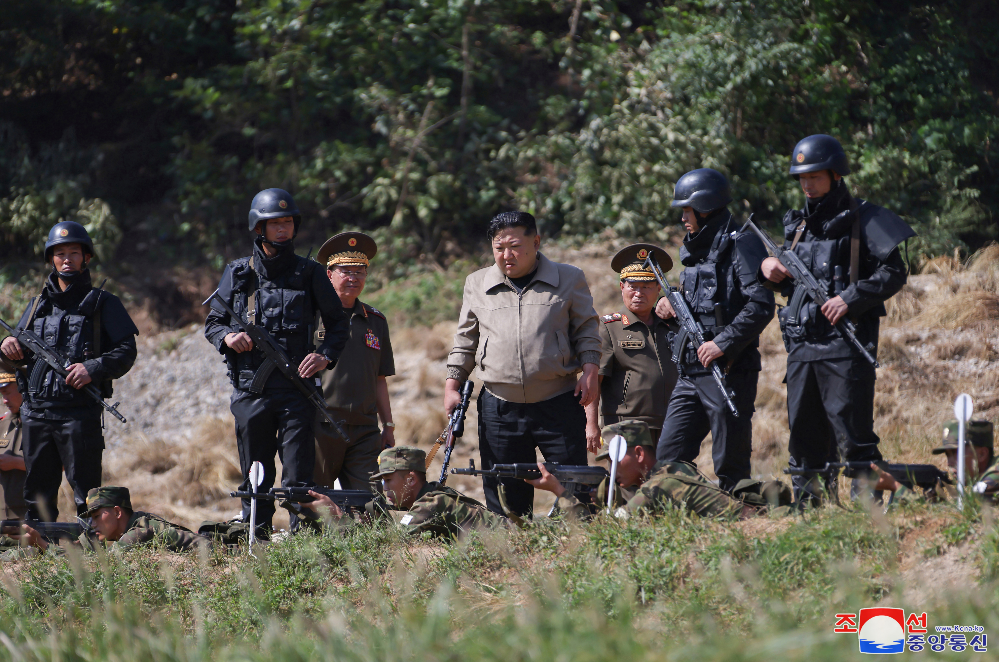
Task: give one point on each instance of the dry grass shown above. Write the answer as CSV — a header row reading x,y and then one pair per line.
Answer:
x,y
938,340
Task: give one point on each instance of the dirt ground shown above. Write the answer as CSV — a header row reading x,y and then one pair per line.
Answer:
x,y
178,453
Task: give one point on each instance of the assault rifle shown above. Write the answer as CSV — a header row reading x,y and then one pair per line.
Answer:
x,y
803,277
51,531
924,476
690,326
59,364
275,357
578,479
347,500
454,430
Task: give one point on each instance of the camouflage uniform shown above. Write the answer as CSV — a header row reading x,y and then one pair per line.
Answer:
x,y
142,527
11,482
669,484
437,509
978,434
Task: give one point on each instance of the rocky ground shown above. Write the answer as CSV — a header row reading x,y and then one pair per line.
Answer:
x,y
178,452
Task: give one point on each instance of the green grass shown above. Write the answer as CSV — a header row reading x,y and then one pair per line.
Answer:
x,y
671,587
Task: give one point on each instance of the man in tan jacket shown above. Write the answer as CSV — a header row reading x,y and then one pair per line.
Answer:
x,y
530,327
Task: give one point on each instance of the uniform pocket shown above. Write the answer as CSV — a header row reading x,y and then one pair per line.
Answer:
x,y
563,343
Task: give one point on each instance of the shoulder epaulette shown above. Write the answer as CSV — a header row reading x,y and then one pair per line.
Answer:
x,y
375,310
615,317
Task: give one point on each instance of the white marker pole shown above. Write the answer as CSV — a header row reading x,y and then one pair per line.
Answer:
x,y
617,448
256,478
963,412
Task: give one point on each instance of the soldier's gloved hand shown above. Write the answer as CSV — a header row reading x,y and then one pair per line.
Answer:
x,y
774,270
12,349
78,376
239,342
547,482
664,310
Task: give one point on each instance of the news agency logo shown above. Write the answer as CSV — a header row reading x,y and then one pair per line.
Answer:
x,y
887,631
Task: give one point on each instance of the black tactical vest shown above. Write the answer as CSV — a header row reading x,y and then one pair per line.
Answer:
x,y
283,306
75,333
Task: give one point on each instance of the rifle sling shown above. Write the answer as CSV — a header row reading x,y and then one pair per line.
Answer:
x,y
855,240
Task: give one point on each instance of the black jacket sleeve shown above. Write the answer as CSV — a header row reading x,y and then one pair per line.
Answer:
x,y
755,315
335,321
118,348
217,324
886,279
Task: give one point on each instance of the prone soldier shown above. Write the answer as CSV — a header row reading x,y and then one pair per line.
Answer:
x,y
428,506
648,486
981,467
280,292
719,283
355,390
11,457
851,247
114,521
60,423
637,373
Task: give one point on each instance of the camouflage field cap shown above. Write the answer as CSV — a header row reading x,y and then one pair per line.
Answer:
x,y
977,433
636,433
400,458
106,497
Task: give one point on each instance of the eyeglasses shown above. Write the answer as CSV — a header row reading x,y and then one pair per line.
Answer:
x,y
356,274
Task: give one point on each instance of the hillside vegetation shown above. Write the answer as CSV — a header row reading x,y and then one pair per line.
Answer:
x,y
155,122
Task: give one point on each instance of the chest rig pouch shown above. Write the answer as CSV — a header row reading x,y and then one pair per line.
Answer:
x,y
76,335
828,260
283,308
699,285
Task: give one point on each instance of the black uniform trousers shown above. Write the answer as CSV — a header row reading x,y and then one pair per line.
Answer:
x,y
830,413
276,421
696,406
509,432
52,446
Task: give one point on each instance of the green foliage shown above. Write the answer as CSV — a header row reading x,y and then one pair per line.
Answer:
x,y
425,118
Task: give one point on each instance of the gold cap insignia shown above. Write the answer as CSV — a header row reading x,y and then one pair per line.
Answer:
x,y
801,157
352,242
63,232
282,204
642,254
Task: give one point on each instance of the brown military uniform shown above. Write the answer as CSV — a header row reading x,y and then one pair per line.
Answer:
x,y
12,482
349,390
637,368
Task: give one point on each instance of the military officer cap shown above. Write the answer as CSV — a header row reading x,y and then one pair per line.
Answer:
x,y
6,373
107,496
635,433
401,458
347,249
977,433
629,261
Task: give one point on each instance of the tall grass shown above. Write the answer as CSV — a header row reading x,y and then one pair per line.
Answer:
x,y
667,588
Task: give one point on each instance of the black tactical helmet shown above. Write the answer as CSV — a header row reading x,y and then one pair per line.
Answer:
x,y
68,232
703,189
819,152
273,203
